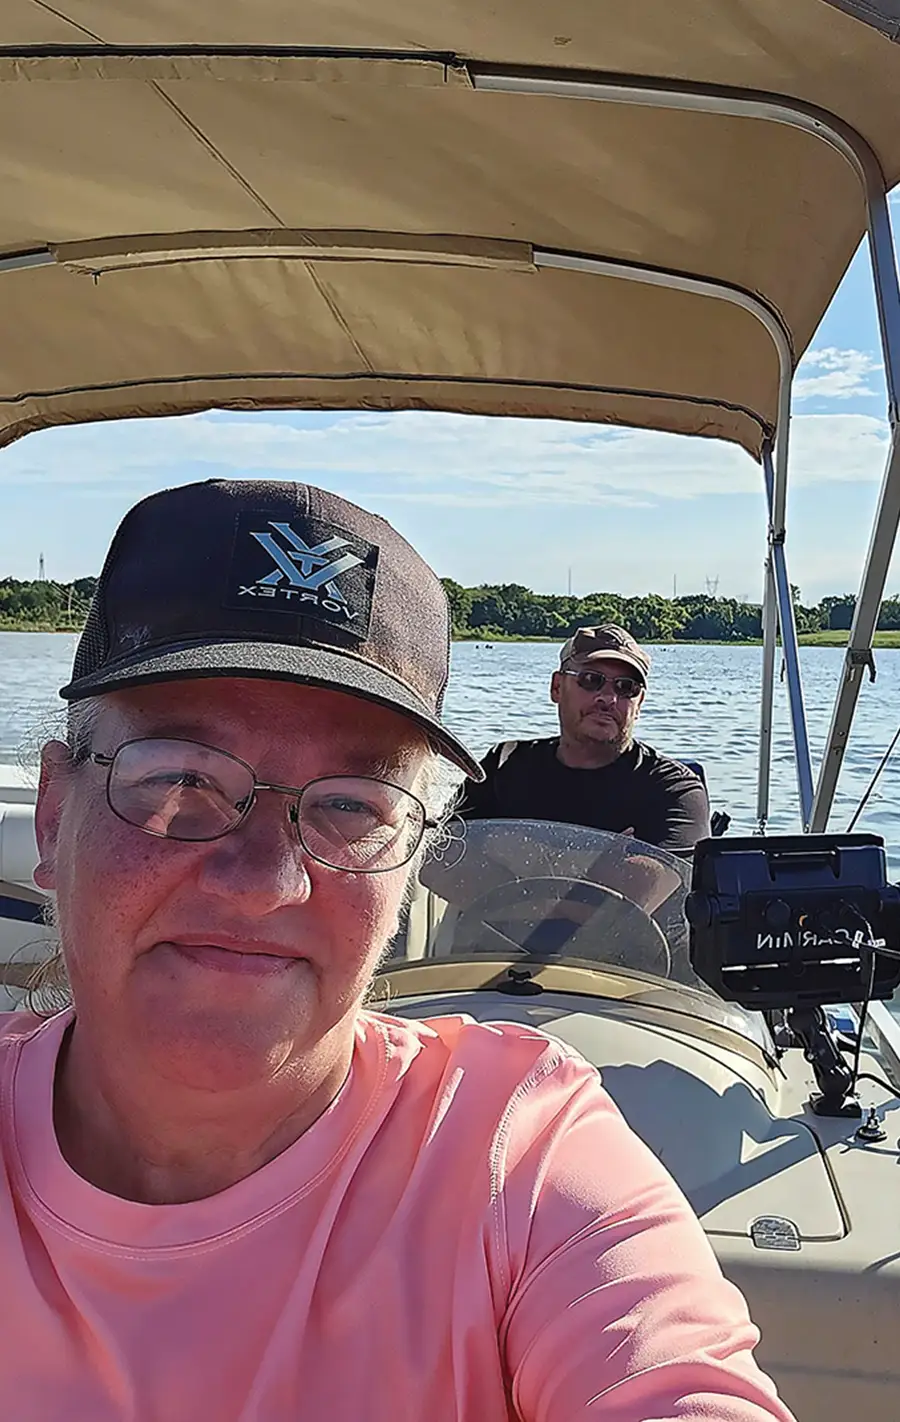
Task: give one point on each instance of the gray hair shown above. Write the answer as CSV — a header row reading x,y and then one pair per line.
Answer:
x,y
439,786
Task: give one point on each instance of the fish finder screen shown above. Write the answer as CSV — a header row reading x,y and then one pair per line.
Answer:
x,y
797,920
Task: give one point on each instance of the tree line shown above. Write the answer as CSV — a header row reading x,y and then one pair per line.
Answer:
x,y
45,604
510,610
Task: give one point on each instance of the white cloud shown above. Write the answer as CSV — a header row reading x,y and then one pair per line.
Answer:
x,y
428,456
837,449
838,374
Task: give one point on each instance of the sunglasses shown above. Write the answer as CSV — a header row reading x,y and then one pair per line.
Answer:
x,y
627,686
187,791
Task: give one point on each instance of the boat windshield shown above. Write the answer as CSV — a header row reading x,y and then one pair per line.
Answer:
x,y
540,892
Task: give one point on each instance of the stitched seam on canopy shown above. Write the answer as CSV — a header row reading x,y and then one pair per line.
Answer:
x,y
216,153
400,377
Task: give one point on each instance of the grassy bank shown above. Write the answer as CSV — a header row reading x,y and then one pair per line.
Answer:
x,y
11,625
839,639
806,639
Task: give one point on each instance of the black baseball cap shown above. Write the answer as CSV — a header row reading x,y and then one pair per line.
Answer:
x,y
252,578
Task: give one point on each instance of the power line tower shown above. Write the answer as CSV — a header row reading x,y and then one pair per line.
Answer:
x,y
712,586
42,576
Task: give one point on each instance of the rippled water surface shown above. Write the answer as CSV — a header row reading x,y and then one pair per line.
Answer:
x,y
703,704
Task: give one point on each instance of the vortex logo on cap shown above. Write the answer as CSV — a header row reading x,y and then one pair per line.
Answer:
x,y
303,567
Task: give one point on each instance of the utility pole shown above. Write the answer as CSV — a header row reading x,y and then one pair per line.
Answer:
x,y
41,574
570,582
674,586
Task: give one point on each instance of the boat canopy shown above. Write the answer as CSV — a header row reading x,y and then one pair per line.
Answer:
x,y
390,204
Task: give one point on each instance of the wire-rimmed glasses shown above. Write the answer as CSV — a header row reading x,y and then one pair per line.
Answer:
x,y
184,790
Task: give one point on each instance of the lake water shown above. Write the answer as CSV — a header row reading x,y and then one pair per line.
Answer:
x,y
703,704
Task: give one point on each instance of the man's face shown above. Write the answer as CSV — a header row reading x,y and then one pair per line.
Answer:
x,y
226,961
602,716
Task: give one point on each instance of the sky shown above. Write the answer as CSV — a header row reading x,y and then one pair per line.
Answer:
x,y
543,503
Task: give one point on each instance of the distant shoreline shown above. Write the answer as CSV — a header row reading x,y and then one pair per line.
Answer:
x,y
806,639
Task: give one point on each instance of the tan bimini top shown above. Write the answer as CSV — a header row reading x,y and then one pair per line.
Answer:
x,y
301,204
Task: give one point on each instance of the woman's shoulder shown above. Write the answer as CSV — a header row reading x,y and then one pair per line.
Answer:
x,y
497,1060
16,1029
494,1095
458,1031
16,1026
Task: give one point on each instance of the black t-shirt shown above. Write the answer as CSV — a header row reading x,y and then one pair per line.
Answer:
x,y
659,800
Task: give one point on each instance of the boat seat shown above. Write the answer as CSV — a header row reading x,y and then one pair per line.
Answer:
x,y
719,820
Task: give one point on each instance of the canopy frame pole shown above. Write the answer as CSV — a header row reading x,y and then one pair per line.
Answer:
x,y
736,103
778,582
767,697
859,657
766,315
691,98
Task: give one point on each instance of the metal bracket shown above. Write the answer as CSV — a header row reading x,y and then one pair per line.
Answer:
x,y
862,657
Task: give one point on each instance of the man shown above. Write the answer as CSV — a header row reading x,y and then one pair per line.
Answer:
x,y
594,772
227,1189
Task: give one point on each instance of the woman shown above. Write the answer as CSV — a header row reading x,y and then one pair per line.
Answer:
x,y
228,1191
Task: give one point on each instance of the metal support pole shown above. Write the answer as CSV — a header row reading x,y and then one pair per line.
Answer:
x,y
788,628
858,656
769,631
791,650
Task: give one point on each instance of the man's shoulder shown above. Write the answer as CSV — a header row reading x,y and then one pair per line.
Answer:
x,y
666,769
536,748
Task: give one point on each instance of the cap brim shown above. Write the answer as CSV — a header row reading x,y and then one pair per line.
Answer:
x,y
305,666
610,656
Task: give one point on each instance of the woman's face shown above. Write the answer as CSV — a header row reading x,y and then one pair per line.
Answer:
x,y
232,960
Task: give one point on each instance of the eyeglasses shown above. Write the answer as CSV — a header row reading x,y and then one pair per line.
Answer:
x,y
183,790
593,682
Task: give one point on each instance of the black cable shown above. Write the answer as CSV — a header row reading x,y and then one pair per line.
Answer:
x,y
879,1081
872,947
845,1041
855,1043
871,786
863,1013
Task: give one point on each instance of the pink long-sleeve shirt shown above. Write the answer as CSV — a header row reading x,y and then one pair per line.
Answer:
x,y
470,1233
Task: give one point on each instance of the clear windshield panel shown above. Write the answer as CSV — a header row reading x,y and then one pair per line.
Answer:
x,y
536,891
